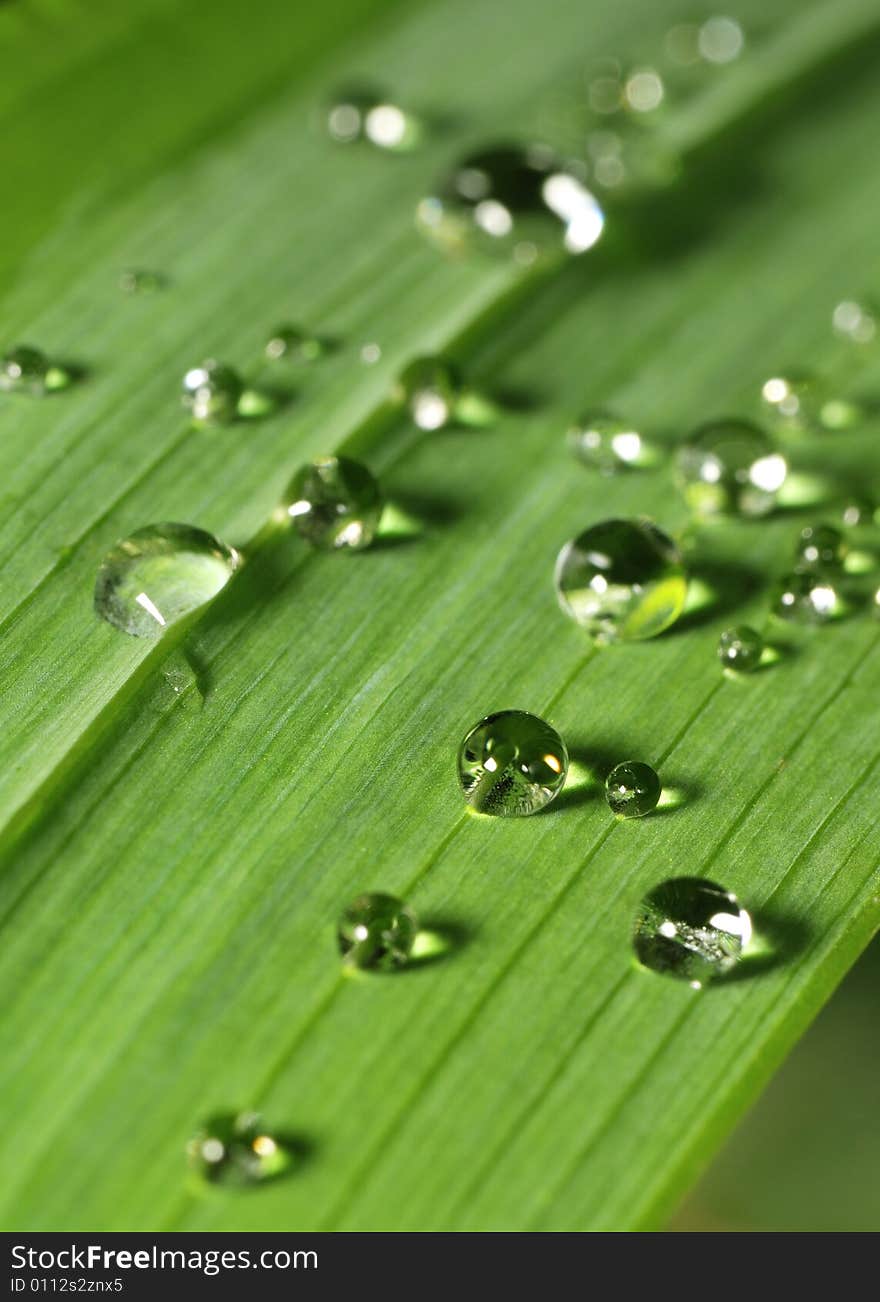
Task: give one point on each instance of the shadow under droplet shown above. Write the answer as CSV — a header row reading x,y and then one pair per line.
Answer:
x,y
438,940
259,404
588,767
718,588
777,938
676,795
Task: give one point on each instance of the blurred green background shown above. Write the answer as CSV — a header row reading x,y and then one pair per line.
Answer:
x,y
807,1156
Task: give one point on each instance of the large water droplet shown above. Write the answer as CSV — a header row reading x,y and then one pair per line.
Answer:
x,y
160,574
731,466
212,393
521,200
512,764
377,931
691,929
237,1150
335,504
621,580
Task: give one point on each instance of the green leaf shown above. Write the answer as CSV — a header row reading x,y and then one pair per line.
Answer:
x,y
172,865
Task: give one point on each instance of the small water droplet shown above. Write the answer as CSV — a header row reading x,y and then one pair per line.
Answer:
x,y
138,281
295,345
806,597
335,504
740,649
212,393
238,1150
731,466
363,114
632,789
854,321
160,574
25,369
377,931
691,929
820,547
512,764
608,444
720,39
509,197
621,580
429,387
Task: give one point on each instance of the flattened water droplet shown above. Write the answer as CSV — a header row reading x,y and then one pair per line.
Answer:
x,y
621,580
212,393
160,574
238,1150
632,789
691,929
512,764
731,466
364,114
820,547
25,369
609,444
807,598
335,504
138,281
295,345
429,387
509,197
377,931
740,649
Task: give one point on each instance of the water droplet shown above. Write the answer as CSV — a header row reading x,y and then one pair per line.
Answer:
x,y
509,196
691,929
857,511
212,393
740,649
854,321
720,40
512,764
807,598
335,504
25,369
429,387
621,580
643,90
138,281
731,466
362,113
160,574
237,1150
377,931
632,789
371,353
819,547
294,345
608,444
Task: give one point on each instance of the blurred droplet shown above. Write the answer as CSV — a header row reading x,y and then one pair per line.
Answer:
x,y
854,321
721,40
643,90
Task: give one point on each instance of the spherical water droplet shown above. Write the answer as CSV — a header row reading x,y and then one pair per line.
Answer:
x,y
509,197
138,281
429,387
720,40
820,547
212,393
294,345
512,764
608,444
740,649
691,929
854,321
377,931
731,466
335,504
621,580
807,597
160,574
25,369
237,1150
632,789
362,113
